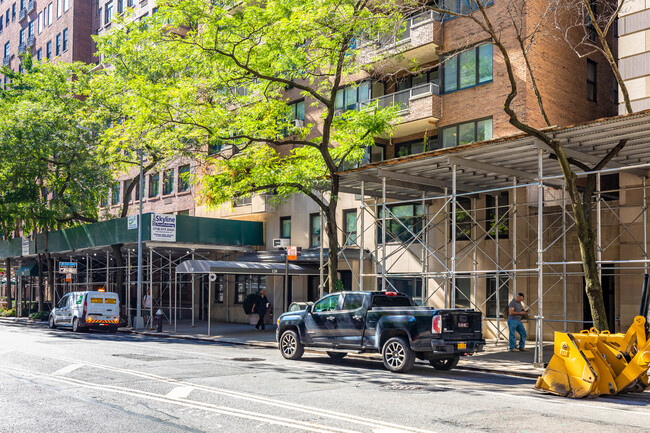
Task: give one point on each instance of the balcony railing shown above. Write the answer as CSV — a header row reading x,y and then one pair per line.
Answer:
x,y
31,5
22,48
6,60
404,33
30,41
401,99
22,14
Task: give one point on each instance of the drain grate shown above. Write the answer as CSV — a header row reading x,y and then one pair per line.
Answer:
x,y
402,387
247,359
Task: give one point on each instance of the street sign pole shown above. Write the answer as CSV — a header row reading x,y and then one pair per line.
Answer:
x,y
138,322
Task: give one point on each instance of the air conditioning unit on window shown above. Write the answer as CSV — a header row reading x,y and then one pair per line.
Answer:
x,y
281,242
298,123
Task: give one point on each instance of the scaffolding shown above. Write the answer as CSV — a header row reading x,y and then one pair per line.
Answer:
x,y
525,243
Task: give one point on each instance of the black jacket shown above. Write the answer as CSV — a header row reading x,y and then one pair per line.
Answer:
x,y
260,304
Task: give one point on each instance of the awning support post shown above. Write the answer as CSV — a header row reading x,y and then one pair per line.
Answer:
x,y
362,233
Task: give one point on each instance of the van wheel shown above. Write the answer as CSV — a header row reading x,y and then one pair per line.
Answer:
x,y
51,322
397,355
75,325
290,345
444,363
336,355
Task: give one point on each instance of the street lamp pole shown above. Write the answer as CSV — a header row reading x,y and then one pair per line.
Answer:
x,y
138,323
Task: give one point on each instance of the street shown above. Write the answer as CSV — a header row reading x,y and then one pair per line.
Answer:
x,y
58,381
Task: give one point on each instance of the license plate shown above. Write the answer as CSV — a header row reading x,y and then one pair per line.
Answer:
x,y
462,345
463,325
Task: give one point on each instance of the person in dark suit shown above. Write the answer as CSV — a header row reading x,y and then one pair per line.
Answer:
x,y
260,306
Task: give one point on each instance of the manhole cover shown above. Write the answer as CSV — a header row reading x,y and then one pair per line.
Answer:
x,y
247,359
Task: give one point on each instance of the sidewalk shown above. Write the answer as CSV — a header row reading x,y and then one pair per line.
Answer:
x,y
495,358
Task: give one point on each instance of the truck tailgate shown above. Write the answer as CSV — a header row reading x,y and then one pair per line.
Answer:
x,y
461,324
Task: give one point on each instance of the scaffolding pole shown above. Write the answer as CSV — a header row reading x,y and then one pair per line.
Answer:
x,y
645,226
564,259
453,235
539,358
383,234
363,232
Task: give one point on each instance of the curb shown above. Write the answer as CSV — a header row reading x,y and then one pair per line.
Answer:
x,y
269,345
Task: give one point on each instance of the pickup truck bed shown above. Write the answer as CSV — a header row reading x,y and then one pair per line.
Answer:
x,y
383,322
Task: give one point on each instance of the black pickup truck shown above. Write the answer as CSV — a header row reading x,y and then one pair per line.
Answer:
x,y
384,322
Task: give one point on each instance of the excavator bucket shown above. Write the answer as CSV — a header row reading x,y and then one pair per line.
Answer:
x,y
592,363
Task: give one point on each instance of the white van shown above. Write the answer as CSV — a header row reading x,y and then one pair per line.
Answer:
x,y
84,310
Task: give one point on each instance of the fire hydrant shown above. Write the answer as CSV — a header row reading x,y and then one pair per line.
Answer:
x,y
159,321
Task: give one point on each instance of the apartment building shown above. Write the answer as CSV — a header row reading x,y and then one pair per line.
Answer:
x,y
634,52
55,29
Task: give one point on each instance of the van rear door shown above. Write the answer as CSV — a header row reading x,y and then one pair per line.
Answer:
x,y
102,308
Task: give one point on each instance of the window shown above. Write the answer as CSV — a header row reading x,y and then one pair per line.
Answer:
x,y
103,200
248,284
592,90
13,12
242,201
412,81
7,49
168,181
58,45
463,218
59,8
353,301
503,214
350,226
416,146
462,6
65,39
30,29
219,289
409,286
1,24
97,7
314,230
285,227
467,69
183,178
154,184
349,97
108,15
22,4
21,37
48,50
39,54
492,310
120,6
465,133
66,5
129,3
329,303
7,18
463,291
115,194
401,221
297,110
49,14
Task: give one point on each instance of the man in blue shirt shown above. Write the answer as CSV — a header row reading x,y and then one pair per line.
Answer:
x,y
515,313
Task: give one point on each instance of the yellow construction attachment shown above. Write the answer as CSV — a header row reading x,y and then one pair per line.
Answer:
x,y
592,363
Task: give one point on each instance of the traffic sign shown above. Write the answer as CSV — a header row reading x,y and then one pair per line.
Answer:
x,y
67,267
292,253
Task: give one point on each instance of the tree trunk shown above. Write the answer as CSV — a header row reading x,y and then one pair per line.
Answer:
x,y
50,275
8,286
117,252
331,229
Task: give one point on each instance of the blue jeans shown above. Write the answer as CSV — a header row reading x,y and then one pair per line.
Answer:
x,y
518,327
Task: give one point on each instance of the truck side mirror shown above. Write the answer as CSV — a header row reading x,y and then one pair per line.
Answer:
x,y
308,308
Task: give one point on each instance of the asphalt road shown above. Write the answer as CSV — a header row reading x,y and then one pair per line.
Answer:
x,y
57,381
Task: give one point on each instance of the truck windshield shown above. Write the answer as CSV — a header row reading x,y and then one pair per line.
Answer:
x,y
390,301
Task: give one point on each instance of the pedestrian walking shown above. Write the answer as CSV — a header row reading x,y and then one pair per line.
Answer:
x,y
260,306
146,305
515,312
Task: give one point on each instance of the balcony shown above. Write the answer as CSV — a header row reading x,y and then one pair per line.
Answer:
x,y
6,61
31,5
418,108
30,41
22,48
419,39
22,14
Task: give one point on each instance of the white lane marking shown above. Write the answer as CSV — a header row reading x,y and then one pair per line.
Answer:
x,y
224,410
255,398
180,392
65,370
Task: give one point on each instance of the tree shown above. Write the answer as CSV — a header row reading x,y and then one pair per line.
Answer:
x,y
526,36
223,77
53,172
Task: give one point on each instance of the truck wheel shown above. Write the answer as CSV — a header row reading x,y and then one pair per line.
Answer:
x,y
336,355
75,325
51,322
444,363
290,345
397,355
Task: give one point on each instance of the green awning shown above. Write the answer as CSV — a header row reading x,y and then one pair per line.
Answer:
x,y
28,270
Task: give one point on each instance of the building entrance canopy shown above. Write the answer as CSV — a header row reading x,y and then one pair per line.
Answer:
x,y
248,268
